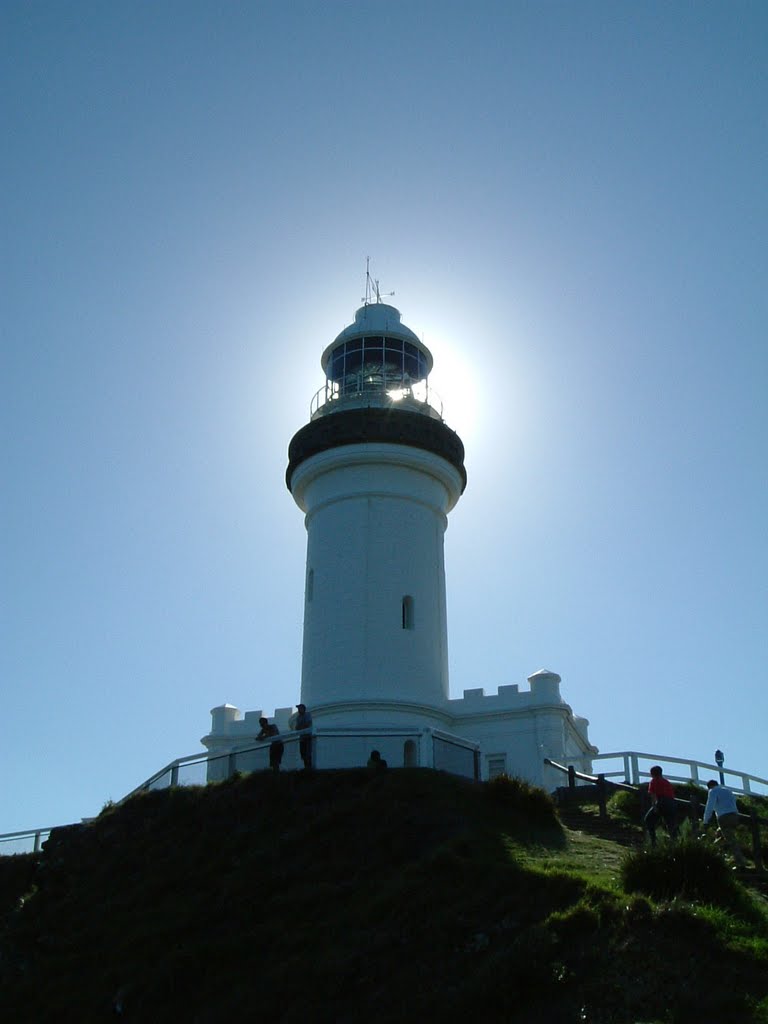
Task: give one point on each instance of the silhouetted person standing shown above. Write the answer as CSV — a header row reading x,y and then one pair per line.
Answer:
x,y
276,746
301,721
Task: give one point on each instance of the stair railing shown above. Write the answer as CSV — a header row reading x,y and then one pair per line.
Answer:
x,y
692,806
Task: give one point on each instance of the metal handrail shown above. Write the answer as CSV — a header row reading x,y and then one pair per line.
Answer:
x,y
636,788
170,771
35,834
694,805
632,771
206,757
420,397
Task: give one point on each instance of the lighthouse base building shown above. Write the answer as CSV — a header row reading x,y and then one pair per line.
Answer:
x,y
480,735
376,472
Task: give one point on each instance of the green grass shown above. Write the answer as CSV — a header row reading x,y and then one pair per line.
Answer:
x,y
688,869
346,897
597,859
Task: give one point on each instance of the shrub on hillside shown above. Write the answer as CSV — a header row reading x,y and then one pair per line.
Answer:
x,y
17,872
688,868
686,790
625,803
695,794
753,802
526,801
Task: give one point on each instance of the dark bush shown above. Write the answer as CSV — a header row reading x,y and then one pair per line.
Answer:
x,y
526,801
17,873
688,868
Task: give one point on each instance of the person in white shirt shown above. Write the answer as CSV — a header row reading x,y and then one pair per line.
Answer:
x,y
722,803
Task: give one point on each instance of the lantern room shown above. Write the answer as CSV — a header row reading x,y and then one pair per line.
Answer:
x,y
376,361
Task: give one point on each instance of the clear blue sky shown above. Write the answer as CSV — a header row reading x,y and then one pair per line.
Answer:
x,y
570,203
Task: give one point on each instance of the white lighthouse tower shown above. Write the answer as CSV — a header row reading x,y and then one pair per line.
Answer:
x,y
376,472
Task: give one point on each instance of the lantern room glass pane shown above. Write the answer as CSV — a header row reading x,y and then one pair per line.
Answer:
x,y
394,355
353,360
336,368
375,363
414,362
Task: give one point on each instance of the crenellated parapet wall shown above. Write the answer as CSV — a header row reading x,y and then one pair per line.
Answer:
x,y
515,729
544,690
229,724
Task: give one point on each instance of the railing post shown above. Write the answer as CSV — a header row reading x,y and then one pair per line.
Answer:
x,y
627,777
426,749
601,796
37,843
231,764
635,770
174,775
571,777
745,783
756,844
645,800
694,812
694,772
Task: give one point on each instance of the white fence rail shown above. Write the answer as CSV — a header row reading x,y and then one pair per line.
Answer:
x,y
633,766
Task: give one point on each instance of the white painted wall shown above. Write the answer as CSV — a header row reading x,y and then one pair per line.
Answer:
x,y
375,518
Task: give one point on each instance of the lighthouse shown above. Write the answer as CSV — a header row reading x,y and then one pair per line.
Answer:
x,y
376,472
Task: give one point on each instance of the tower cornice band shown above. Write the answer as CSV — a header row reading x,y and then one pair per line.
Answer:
x,y
370,424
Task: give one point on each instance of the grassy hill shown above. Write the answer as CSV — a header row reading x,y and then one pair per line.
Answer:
x,y
346,897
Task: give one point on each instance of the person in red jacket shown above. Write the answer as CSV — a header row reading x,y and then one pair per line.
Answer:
x,y
663,805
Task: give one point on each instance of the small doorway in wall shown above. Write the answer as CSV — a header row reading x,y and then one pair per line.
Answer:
x,y
497,765
410,760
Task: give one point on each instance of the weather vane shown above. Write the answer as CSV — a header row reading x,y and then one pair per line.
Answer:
x,y
372,286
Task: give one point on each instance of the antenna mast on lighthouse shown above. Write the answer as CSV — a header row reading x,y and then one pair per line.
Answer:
x,y
372,286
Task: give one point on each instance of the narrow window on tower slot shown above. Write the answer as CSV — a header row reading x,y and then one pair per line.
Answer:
x,y
407,613
310,584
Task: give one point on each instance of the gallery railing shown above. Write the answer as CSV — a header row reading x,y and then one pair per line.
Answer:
x,y
367,391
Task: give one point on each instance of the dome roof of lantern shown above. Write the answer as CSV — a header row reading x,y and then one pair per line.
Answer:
x,y
376,319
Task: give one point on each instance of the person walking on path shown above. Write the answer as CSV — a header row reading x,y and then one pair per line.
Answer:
x,y
722,803
301,721
663,806
276,746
